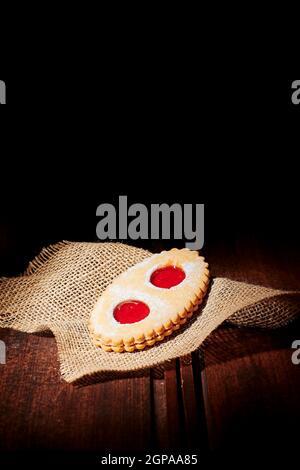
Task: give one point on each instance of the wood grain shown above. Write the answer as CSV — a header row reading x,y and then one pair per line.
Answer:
x,y
240,387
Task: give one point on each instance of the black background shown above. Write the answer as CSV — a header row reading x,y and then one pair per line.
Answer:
x,y
71,141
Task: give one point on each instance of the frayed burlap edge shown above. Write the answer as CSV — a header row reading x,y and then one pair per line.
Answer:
x,y
61,285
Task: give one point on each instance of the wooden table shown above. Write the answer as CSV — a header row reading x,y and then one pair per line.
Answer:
x,y
240,390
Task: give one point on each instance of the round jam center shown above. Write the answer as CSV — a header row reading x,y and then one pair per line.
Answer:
x,y
131,311
167,277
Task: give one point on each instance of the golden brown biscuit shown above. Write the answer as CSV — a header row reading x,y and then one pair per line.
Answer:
x,y
149,301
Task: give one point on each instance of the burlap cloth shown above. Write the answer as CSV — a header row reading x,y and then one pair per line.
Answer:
x,y
60,287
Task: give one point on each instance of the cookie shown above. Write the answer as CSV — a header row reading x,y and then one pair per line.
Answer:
x,y
149,301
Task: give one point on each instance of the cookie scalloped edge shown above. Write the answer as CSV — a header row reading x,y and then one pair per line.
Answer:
x,y
158,334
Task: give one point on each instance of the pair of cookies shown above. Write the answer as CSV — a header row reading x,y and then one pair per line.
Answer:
x,y
149,301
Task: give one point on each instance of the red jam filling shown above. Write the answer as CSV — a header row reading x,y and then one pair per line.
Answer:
x,y
167,277
131,311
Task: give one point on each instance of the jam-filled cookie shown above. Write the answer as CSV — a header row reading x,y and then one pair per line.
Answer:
x,y
149,301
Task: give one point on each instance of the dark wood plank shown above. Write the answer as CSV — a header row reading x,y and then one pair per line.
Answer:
x,y
48,413
251,395
168,421
192,403
249,383
188,396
